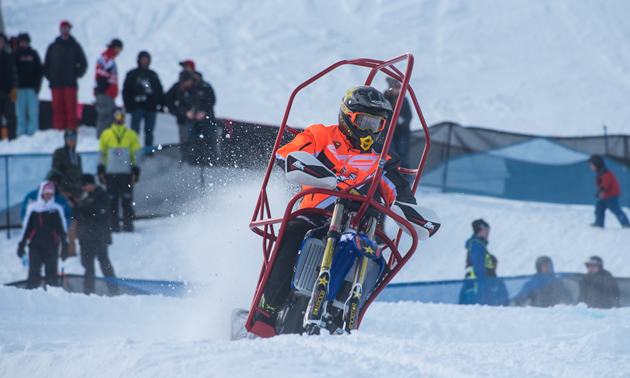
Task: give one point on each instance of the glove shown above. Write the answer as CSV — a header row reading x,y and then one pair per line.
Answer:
x,y
64,250
13,95
21,251
599,192
348,175
101,174
135,174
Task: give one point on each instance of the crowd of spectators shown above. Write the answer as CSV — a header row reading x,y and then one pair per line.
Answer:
x,y
597,289
69,205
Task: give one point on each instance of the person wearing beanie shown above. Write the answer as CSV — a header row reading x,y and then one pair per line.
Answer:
x,y
607,193
43,231
143,96
67,161
544,289
64,64
192,102
598,289
94,231
479,266
30,74
106,86
8,87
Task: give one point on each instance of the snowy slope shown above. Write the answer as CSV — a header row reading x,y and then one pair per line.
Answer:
x,y
550,67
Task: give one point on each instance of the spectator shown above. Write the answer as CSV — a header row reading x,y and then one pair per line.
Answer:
x,y
608,193
64,64
30,74
203,131
400,141
544,289
92,216
479,266
8,87
498,292
117,169
189,65
180,100
143,97
106,86
598,288
55,177
67,161
44,228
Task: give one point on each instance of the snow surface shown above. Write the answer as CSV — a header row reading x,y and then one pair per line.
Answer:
x,y
548,67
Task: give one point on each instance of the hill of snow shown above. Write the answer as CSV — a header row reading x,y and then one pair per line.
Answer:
x,y
549,67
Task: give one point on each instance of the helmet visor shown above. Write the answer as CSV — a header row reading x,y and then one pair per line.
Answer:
x,y
367,122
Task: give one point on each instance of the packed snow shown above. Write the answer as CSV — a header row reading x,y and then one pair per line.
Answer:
x,y
551,67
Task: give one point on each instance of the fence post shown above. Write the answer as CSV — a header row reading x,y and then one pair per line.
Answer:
x,y
448,156
6,166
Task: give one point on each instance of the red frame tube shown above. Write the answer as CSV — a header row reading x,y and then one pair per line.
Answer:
x,y
262,213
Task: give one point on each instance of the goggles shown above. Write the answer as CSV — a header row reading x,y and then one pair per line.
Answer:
x,y
71,137
366,122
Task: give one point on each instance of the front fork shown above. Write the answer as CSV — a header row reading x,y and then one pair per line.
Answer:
x,y
317,303
351,308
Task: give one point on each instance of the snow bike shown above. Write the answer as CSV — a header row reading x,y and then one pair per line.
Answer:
x,y
340,269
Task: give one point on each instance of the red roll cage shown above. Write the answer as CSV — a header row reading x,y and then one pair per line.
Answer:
x,y
263,224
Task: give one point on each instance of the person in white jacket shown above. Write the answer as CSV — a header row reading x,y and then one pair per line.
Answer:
x,y
44,230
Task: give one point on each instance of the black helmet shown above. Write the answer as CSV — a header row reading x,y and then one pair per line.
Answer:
x,y
363,113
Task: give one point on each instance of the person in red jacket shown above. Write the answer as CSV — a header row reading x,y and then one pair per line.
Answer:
x,y
349,149
608,193
106,86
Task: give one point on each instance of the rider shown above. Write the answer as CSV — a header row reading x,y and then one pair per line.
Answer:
x,y
349,150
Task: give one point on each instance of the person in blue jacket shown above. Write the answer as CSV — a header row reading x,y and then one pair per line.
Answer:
x,y
479,267
544,289
55,177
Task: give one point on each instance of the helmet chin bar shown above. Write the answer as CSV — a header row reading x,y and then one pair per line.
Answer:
x,y
366,143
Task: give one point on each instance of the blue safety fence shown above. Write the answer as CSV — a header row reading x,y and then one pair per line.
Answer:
x,y
21,174
560,288
111,286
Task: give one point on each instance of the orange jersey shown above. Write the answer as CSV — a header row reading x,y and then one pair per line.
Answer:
x,y
330,146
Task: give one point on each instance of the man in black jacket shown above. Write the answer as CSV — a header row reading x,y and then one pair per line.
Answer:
x,y
598,289
64,63
92,215
8,87
30,74
400,142
143,97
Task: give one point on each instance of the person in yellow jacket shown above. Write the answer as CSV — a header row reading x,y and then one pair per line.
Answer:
x,y
117,169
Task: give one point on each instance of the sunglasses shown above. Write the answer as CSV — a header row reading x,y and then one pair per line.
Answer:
x,y
71,137
367,122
